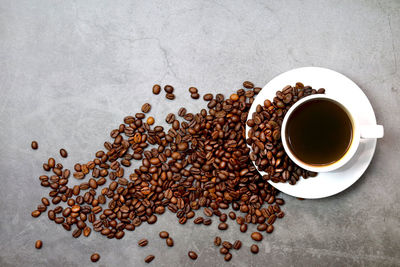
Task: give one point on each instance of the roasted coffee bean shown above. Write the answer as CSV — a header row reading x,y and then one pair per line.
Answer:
x,y
223,250
182,112
234,97
45,201
143,242
193,90
170,118
41,208
149,258
228,256
63,153
150,121
169,89
208,212
195,96
262,227
279,201
76,233
170,242
237,245
164,234
86,231
208,97
38,244
79,175
152,219
254,249
271,219
51,162
248,85
156,89
36,213
243,228
207,221
198,220
95,257
146,108
192,255
232,215
227,245
170,96
76,208
217,241
256,236
223,217
34,145
270,229
223,226
46,167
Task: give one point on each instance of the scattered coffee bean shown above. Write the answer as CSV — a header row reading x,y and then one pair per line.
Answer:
x,y
143,242
182,112
223,250
223,217
193,90
262,227
38,244
170,96
77,233
270,229
217,241
237,245
198,220
95,257
170,118
248,85
208,97
152,219
146,108
34,145
227,245
195,96
164,234
208,212
200,162
156,89
150,120
168,89
63,153
192,255
36,213
228,256
149,258
256,236
51,162
45,201
254,249
223,226
170,242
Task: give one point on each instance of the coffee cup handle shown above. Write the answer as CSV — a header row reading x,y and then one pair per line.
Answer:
x,y
371,131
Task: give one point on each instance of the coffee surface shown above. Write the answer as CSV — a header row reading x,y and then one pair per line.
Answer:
x,y
319,132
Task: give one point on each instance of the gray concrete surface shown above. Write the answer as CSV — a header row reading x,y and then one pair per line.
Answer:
x,y
71,70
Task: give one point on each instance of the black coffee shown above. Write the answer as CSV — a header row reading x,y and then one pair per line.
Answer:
x,y
319,132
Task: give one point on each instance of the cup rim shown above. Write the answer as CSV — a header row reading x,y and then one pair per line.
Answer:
x,y
324,168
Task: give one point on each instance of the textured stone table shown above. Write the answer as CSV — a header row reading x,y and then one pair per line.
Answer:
x,y
71,70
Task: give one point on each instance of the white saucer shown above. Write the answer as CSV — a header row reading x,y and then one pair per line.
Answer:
x,y
346,91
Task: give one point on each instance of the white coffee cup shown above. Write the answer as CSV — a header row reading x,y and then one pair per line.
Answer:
x,y
359,132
